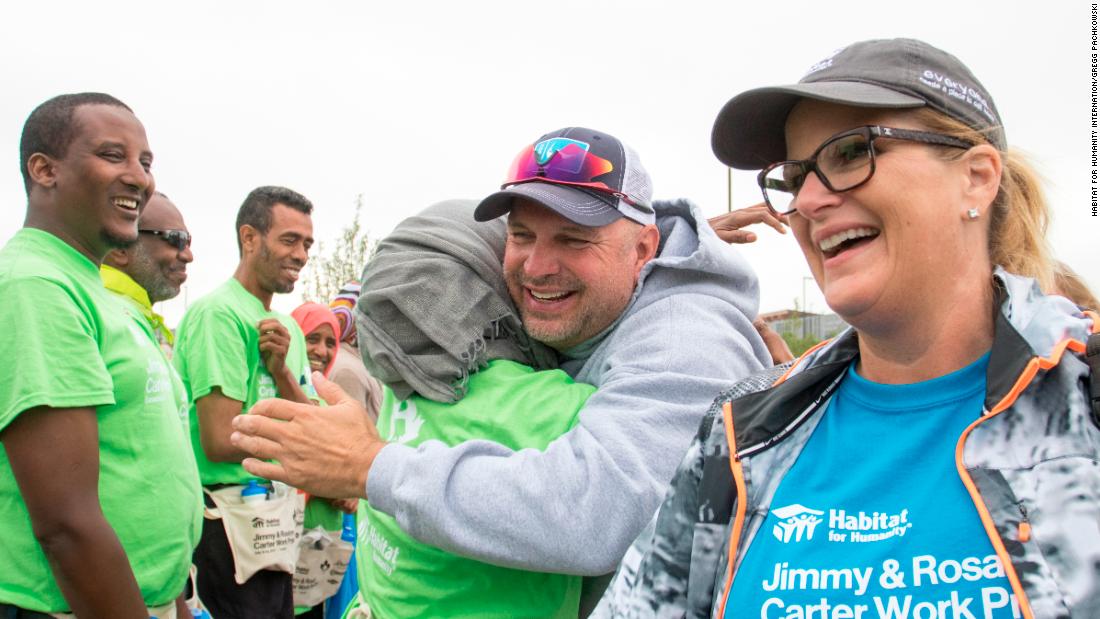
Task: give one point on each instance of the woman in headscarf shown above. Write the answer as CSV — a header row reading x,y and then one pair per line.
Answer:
x,y
320,327
939,458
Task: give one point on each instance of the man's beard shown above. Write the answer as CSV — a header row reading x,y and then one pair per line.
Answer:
x,y
599,307
281,287
276,285
149,276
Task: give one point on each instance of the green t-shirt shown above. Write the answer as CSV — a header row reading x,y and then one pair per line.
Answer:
x,y
69,343
218,345
507,403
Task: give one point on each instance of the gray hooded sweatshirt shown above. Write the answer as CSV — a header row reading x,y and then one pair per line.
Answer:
x,y
575,508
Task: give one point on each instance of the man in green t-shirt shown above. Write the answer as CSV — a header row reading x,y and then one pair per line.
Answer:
x,y
232,351
99,498
153,269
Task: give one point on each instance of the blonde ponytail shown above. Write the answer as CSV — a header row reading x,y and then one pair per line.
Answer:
x,y
1019,214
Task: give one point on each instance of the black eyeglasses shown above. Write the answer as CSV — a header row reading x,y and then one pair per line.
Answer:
x,y
842,163
180,239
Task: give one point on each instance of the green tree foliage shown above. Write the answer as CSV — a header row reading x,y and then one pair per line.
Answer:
x,y
798,340
797,343
327,272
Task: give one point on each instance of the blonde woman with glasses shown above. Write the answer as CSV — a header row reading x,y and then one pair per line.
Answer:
x,y
939,458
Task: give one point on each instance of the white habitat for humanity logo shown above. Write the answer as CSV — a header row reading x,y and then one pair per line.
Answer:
x,y
796,522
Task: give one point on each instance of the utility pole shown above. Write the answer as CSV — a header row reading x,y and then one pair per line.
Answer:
x,y
804,308
729,189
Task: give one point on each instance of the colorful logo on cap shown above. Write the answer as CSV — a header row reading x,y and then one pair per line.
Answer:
x,y
546,149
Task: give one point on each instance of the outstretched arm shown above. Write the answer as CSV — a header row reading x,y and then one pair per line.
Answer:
x,y
573,508
728,226
324,451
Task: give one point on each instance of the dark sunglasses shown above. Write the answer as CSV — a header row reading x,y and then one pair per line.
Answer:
x,y
180,239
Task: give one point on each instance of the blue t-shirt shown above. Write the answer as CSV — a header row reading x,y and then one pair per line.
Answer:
x,y
873,521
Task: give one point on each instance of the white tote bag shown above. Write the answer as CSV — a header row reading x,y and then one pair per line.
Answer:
x,y
322,561
262,535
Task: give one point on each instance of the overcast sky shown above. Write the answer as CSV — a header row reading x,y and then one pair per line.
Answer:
x,y
413,102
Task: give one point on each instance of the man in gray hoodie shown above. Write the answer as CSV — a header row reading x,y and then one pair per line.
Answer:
x,y
640,299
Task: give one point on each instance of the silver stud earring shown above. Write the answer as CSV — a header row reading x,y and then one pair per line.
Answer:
x,y
972,213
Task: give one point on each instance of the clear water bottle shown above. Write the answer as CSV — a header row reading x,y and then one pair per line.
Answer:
x,y
253,492
348,532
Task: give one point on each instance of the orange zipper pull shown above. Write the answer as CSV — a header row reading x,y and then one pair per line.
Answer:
x,y
1024,533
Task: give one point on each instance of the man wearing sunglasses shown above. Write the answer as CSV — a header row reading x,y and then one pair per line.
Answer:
x,y
640,298
153,269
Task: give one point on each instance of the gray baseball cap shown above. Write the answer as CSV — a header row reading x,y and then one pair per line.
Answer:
x,y
559,171
883,73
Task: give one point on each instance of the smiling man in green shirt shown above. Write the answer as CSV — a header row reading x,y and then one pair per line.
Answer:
x,y
99,497
232,350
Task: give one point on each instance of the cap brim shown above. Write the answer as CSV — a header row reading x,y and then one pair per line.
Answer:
x,y
749,131
576,205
